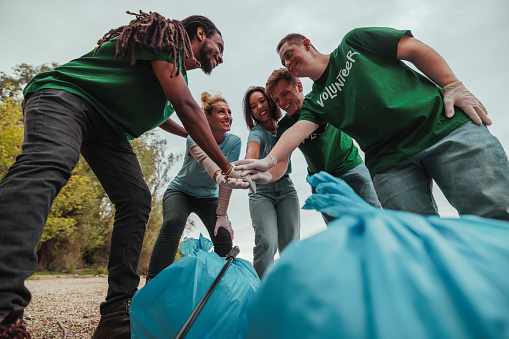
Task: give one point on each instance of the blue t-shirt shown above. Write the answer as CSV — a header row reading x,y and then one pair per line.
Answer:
x,y
192,178
266,140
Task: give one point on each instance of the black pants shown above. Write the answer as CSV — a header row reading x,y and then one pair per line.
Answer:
x,y
177,206
58,126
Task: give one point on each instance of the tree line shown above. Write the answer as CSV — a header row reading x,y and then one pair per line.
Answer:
x,y
78,230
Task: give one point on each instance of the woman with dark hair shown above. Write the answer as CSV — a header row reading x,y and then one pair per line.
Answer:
x,y
195,190
274,208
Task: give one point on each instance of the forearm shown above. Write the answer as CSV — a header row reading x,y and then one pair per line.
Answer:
x,y
198,128
292,138
204,160
279,170
427,60
172,127
190,114
223,200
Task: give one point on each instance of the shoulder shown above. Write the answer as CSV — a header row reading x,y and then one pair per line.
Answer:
x,y
189,142
363,35
311,112
257,133
233,139
309,102
258,130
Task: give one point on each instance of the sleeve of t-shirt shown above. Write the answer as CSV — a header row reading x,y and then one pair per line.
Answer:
x,y
189,142
380,40
147,54
255,135
306,113
235,152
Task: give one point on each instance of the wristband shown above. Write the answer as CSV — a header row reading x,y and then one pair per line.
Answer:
x,y
230,170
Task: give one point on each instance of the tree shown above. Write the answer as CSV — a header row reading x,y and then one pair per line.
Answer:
x,y
11,125
78,231
156,165
11,86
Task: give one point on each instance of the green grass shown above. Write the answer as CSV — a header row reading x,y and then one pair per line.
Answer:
x,y
86,271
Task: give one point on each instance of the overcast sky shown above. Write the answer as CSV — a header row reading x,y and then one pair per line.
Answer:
x,y
473,37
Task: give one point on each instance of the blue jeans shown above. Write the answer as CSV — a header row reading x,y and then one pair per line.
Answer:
x,y
177,206
359,179
275,213
58,126
470,167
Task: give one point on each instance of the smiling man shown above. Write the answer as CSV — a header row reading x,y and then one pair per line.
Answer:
x,y
94,105
327,148
412,128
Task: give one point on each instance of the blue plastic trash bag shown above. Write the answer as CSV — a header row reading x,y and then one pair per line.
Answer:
x,y
160,308
386,274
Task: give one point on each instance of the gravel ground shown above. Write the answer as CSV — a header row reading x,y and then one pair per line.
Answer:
x,y
71,300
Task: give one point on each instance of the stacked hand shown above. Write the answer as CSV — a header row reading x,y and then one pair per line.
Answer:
x,y
456,94
235,179
255,169
261,164
222,221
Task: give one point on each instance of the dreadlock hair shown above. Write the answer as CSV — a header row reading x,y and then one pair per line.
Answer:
x,y
278,75
249,117
154,31
207,100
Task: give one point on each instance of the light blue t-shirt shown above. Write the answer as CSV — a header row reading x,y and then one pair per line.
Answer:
x,y
192,178
266,140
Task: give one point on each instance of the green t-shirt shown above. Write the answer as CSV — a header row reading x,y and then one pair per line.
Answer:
x,y
130,98
392,111
326,149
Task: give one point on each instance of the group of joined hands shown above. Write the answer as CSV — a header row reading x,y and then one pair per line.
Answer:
x,y
247,173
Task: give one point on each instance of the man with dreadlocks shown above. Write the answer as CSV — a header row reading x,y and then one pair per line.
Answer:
x,y
95,105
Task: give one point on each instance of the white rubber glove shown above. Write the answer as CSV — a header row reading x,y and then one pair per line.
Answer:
x,y
223,200
236,180
222,221
203,159
261,164
236,173
259,177
456,94
210,166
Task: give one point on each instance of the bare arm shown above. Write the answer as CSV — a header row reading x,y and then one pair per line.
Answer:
x,y
276,172
429,62
292,138
172,127
188,111
279,170
426,59
288,142
252,150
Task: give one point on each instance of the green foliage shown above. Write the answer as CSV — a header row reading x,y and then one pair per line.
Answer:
x,y
11,125
78,230
156,165
11,86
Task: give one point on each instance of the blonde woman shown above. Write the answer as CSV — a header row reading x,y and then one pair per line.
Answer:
x,y
195,190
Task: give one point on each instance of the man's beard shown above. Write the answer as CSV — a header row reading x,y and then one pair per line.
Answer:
x,y
206,62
